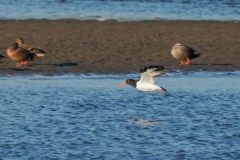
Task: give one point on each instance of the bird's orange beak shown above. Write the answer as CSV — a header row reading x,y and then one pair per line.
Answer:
x,y
122,84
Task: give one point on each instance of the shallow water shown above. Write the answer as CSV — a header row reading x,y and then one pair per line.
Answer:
x,y
90,117
121,10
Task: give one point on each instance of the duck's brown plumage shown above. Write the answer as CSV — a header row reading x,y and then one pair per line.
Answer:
x,y
184,53
19,55
35,50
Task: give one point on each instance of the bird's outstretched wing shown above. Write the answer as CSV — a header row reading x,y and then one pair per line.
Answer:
x,y
148,73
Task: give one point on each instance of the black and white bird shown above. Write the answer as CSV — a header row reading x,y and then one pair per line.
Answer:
x,y
146,82
184,53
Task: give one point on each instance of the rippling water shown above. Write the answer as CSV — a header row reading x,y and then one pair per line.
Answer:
x,y
90,117
121,10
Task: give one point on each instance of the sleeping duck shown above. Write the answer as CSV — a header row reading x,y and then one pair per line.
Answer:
x,y
184,53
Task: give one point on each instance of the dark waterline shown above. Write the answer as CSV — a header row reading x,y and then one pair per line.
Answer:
x,y
90,117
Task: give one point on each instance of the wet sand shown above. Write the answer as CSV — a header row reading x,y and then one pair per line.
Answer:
x,y
111,47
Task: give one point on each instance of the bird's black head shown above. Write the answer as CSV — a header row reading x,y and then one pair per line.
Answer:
x,y
131,82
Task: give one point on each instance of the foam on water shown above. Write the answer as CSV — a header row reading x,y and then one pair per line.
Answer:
x,y
123,10
89,116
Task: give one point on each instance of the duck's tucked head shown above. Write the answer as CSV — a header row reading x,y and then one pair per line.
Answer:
x,y
19,40
131,82
178,44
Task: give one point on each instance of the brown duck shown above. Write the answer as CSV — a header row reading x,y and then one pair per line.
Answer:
x,y
35,50
20,55
184,53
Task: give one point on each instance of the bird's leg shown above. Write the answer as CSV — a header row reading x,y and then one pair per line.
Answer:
x,y
161,91
182,63
24,62
20,64
17,64
188,61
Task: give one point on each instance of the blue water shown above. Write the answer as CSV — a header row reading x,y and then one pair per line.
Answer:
x,y
90,117
121,10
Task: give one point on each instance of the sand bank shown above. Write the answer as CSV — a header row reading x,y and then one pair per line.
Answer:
x,y
75,46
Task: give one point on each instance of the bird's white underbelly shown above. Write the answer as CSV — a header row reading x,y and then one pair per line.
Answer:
x,y
147,87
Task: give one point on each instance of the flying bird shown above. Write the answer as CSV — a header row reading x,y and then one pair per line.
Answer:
x,y
146,82
184,53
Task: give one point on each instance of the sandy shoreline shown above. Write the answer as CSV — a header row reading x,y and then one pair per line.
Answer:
x,y
75,46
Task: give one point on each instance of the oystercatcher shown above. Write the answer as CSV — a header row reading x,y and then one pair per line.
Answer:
x,y
146,82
